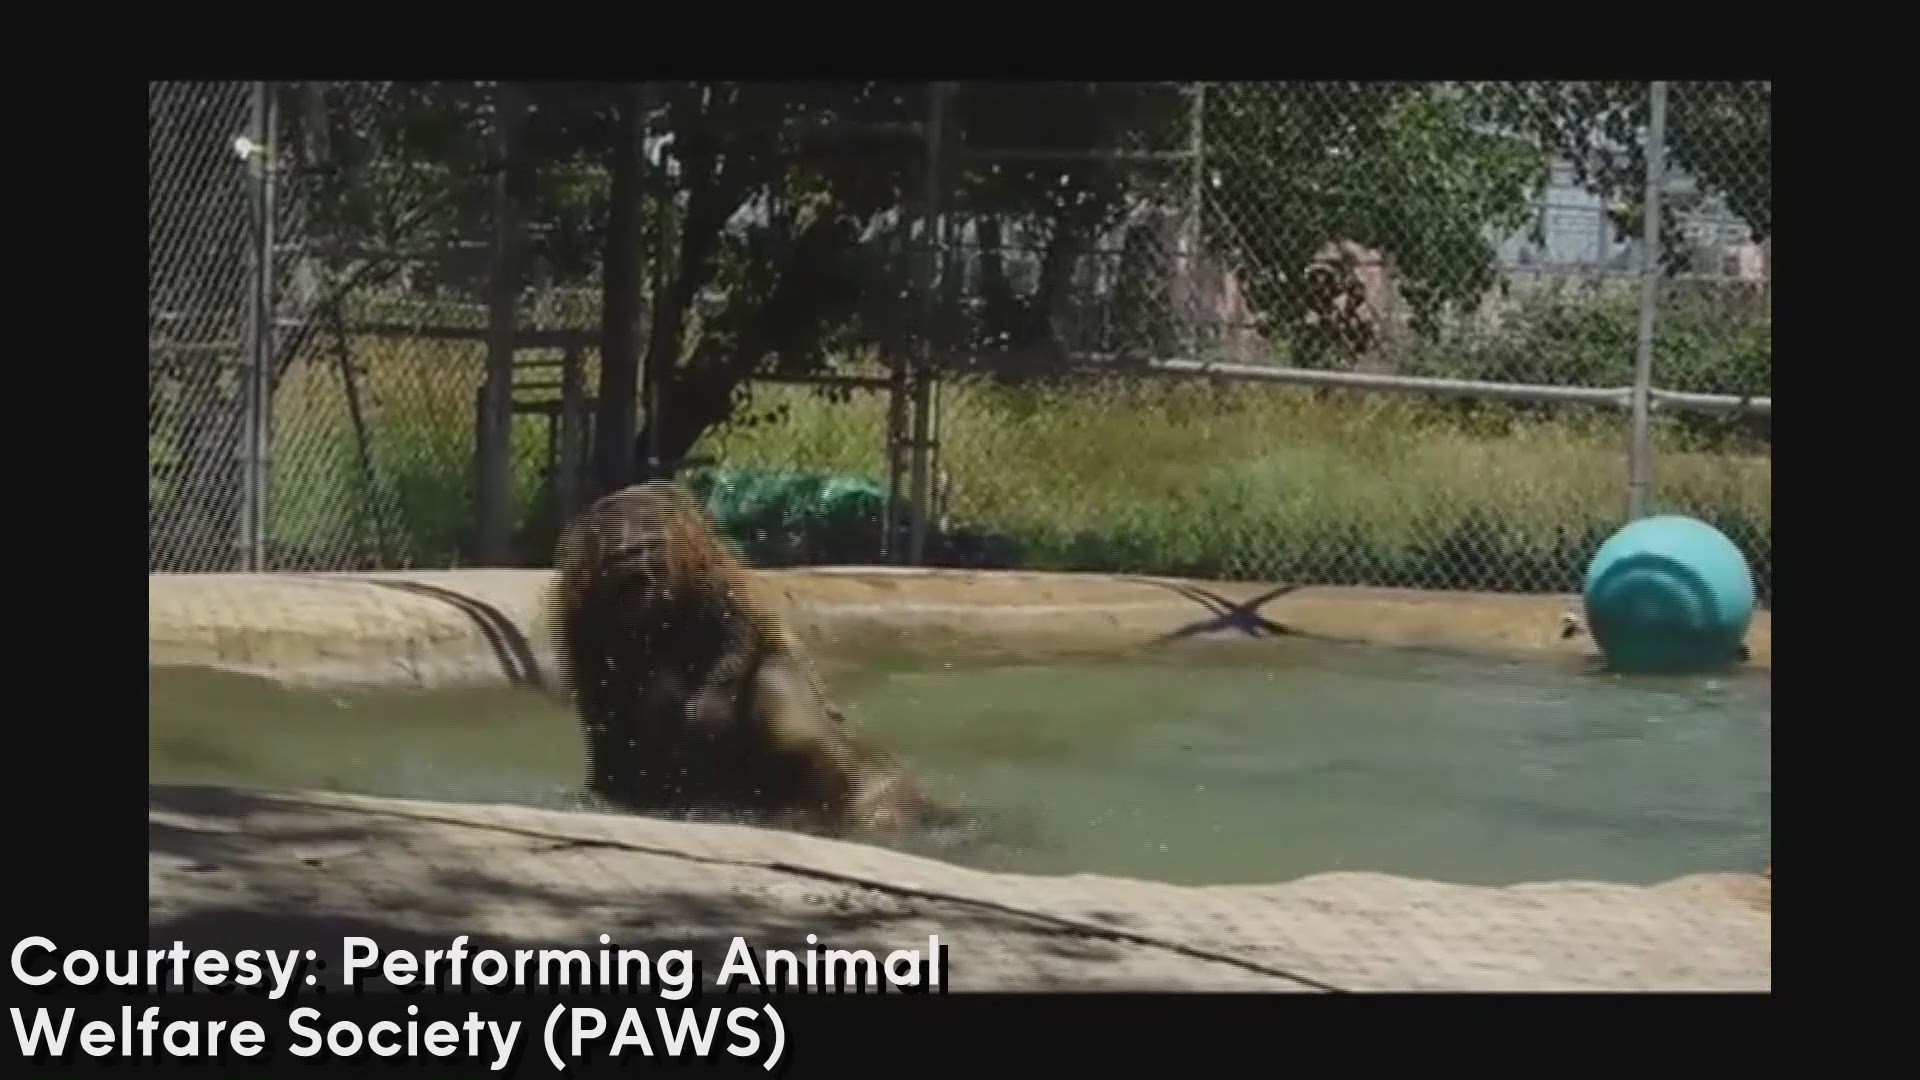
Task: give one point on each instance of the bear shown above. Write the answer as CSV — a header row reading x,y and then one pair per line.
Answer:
x,y
695,698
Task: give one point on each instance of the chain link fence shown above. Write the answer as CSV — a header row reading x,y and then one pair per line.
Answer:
x,y
1392,343
1715,312
201,323
1379,333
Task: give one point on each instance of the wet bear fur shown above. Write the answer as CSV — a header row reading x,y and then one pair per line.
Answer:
x,y
695,699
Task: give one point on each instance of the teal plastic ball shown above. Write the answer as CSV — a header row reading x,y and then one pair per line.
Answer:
x,y
1670,595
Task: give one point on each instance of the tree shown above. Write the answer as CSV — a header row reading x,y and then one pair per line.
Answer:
x,y
1718,133
786,228
1300,171
738,229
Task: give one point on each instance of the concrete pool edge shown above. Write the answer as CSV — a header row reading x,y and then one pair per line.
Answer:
x,y
466,627
228,863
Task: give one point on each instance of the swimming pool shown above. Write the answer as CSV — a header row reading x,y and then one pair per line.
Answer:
x,y
1196,766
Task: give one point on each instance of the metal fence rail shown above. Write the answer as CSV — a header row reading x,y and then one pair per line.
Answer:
x,y
1436,334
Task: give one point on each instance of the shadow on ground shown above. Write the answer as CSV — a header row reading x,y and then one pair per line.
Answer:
x,y
313,887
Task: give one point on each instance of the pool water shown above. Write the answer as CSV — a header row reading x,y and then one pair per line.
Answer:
x,y
1196,767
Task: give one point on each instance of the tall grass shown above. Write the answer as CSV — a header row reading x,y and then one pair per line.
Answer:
x,y
1189,478
401,496
1282,483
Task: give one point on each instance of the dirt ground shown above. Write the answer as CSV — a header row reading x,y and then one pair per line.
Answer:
x,y
227,867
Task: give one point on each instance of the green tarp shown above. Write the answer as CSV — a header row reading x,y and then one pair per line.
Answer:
x,y
787,517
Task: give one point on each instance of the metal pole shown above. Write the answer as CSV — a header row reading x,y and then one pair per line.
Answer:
x,y
1196,194
568,474
896,434
253,514
896,440
923,373
655,389
493,480
1639,463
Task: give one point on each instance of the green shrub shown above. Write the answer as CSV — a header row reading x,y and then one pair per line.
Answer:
x,y
1707,340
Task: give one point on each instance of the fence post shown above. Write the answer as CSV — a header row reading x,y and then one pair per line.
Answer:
x,y
1639,463
1196,194
896,439
923,374
569,469
493,502
255,425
